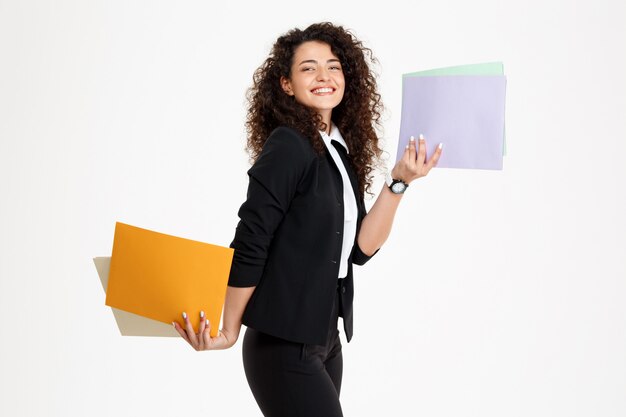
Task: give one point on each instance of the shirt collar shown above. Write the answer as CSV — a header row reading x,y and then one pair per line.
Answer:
x,y
334,135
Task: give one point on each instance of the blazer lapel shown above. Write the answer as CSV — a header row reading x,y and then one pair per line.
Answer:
x,y
336,176
351,174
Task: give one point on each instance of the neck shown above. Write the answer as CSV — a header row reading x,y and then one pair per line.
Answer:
x,y
326,120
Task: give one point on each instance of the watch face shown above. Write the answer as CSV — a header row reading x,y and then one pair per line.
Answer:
x,y
398,188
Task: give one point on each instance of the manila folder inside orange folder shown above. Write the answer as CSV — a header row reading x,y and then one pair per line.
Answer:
x,y
159,276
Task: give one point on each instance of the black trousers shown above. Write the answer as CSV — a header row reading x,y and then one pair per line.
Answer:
x,y
291,379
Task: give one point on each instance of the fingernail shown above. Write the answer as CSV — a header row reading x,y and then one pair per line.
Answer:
x,y
406,147
201,314
184,315
412,138
421,137
174,324
441,146
206,322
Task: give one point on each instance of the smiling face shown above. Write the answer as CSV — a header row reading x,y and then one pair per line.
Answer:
x,y
316,79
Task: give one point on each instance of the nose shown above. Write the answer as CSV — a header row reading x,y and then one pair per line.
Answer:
x,y
322,74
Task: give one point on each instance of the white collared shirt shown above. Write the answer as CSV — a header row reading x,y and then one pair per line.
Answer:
x,y
350,212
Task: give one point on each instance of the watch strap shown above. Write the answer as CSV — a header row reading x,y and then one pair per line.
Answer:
x,y
391,181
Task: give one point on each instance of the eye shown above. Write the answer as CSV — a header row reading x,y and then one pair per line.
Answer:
x,y
307,69
335,68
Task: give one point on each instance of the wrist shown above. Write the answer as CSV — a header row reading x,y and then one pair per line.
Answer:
x,y
395,184
230,336
393,174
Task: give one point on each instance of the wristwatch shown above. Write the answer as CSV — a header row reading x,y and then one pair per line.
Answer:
x,y
396,186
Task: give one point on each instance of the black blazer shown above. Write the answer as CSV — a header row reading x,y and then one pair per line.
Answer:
x,y
289,237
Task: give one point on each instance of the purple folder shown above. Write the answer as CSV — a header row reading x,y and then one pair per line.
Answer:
x,y
464,112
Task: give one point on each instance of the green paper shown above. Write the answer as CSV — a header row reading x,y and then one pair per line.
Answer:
x,y
487,68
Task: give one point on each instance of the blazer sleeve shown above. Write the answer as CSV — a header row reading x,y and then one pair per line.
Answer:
x,y
273,182
358,257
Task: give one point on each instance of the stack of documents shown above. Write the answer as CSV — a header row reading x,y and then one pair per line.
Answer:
x,y
461,107
151,278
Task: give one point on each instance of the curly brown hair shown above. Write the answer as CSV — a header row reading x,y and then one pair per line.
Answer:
x,y
357,116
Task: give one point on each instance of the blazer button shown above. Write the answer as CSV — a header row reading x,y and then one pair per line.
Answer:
x,y
343,290
338,232
333,261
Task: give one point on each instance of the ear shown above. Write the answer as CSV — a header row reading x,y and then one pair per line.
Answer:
x,y
286,86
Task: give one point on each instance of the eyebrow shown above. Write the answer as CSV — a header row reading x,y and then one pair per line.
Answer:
x,y
312,61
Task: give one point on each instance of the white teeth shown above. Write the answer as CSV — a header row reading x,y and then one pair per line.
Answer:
x,y
322,90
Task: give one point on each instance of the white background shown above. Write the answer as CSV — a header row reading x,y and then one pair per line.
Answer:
x,y
497,294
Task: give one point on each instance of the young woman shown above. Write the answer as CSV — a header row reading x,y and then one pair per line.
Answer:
x,y
311,133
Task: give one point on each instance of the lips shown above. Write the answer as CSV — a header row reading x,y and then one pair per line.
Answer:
x,y
323,90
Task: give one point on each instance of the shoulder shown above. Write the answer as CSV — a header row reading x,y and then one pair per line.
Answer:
x,y
285,152
288,132
292,141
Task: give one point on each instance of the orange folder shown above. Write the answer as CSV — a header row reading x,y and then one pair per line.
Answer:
x,y
159,276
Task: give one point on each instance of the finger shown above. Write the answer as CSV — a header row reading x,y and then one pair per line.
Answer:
x,y
435,158
421,151
412,149
180,331
190,333
200,331
405,154
206,334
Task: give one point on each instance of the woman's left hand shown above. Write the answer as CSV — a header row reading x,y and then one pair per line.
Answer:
x,y
203,340
413,164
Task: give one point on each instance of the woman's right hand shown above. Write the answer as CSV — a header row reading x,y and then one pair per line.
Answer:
x,y
203,340
413,164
